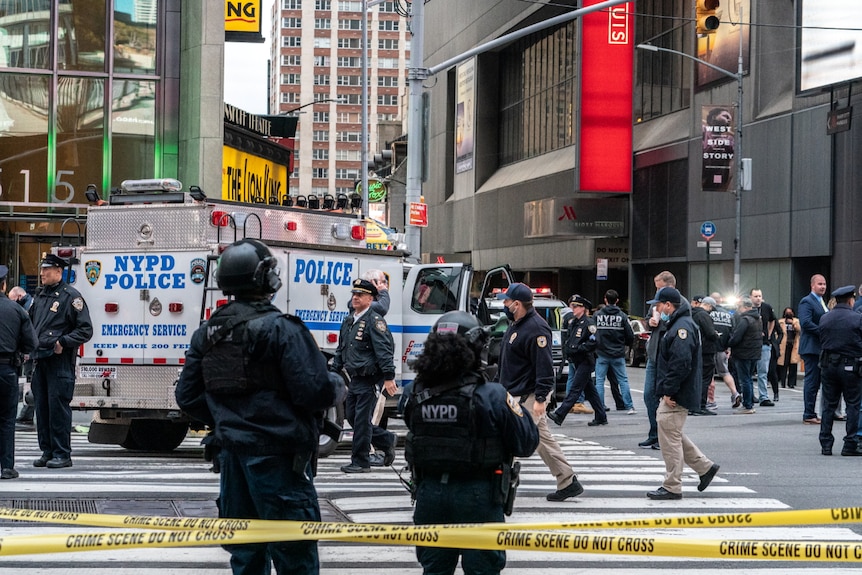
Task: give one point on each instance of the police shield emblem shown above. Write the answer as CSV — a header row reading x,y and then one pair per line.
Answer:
x,y
93,269
197,270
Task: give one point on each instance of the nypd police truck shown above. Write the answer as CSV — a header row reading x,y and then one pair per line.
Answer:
x,y
146,270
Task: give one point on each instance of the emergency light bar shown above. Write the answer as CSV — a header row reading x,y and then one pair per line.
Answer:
x,y
151,185
165,190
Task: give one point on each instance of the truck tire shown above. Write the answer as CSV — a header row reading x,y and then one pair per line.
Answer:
x,y
327,445
155,435
631,357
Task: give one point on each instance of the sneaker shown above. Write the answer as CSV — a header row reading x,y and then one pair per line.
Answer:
x,y
706,478
737,400
632,411
573,490
712,405
647,443
746,411
375,460
655,446
596,422
355,469
9,474
766,403
662,493
581,408
707,412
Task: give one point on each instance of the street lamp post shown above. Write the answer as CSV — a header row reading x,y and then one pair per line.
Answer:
x,y
325,100
738,142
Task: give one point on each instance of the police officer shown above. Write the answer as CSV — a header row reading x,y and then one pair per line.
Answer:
x,y
527,372
840,370
581,351
366,351
257,377
62,322
17,337
464,433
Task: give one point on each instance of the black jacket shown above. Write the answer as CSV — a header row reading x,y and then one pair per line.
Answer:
x,y
365,347
59,313
679,362
746,338
581,341
16,329
526,362
613,332
281,419
708,336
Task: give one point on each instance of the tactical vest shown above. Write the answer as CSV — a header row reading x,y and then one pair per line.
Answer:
x,y
226,366
444,435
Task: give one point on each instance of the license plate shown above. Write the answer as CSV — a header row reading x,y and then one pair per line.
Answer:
x,y
98,371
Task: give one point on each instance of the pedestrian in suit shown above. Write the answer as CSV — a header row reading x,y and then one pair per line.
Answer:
x,y
811,309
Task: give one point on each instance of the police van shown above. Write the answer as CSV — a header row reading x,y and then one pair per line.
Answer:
x,y
146,270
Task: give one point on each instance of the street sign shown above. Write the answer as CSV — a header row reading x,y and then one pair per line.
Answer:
x,y
707,230
418,214
715,251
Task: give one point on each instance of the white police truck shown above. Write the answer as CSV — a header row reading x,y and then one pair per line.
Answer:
x,y
146,270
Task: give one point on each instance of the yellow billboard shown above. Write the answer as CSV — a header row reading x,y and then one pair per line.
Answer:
x,y
242,21
250,178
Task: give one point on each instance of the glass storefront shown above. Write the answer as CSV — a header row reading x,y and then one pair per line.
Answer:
x,y
80,92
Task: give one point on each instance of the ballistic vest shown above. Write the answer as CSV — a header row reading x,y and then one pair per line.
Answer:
x,y
226,365
444,433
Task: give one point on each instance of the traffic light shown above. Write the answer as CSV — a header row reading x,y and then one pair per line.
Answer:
x,y
707,20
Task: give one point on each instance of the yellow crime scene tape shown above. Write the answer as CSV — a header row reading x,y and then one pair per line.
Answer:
x,y
154,531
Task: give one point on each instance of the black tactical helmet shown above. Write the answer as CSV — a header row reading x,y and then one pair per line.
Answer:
x,y
247,267
462,323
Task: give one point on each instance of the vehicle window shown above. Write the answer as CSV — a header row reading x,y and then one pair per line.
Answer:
x,y
550,315
436,290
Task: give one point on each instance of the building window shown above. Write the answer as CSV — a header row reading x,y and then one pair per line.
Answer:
x,y
319,154
291,22
387,44
291,60
323,42
538,88
346,174
349,137
349,81
345,24
291,4
388,63
350,6
662,80
348,118
289,98
321,61
387,117
387,100
387,81
321,80
290,79
388,25
323,5
342,155
346,62
322,23
320,117
319,172
291,41
320,136
349,99
354,43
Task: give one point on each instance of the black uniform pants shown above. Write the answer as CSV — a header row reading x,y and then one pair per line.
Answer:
x,y
837,381
53,385
458,501
8,407
359,409
583,383
706,378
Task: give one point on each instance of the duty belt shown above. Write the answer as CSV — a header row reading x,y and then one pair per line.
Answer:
x,y
837,358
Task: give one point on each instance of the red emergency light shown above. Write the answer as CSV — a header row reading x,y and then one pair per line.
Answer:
x,y
175,307
66,252
220,219
290,226
357,233
332,338
112,307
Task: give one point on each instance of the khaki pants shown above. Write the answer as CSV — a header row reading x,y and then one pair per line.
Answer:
x,y
549,450
677,449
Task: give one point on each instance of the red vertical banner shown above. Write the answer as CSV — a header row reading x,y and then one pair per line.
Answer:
x,y
607,63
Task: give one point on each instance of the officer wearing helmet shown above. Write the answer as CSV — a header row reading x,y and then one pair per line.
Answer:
x,y
257,377
464,434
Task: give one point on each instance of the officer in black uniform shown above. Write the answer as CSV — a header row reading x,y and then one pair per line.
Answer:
x,y
464,433
581,351
841,370
62,322
17,338
257,377
366,351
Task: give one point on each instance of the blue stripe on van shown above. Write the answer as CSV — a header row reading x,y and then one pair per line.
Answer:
x,y
332,326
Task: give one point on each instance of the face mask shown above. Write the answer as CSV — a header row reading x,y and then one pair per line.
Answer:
x,y
665,317
508,313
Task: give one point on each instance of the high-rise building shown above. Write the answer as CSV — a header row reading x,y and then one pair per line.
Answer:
x,y
317,73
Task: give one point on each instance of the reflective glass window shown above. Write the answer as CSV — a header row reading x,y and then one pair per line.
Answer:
x,y
135,36
81,35
25,38
80,137
24,104
133,129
